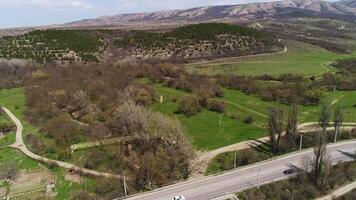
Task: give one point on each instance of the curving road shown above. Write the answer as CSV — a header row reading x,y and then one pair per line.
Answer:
x,y
246,177
20,145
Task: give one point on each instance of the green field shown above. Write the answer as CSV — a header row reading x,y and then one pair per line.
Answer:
x,y
204,128
301,58
15,100
20,161
7,140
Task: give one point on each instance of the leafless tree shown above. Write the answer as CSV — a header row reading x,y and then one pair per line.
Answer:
x,y
320,142
324,116
275,125
338,120
292,124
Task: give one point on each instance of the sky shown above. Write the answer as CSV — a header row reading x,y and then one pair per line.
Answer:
x,y
22,13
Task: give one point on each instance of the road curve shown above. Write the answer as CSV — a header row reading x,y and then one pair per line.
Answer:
x,y
20,145
246,177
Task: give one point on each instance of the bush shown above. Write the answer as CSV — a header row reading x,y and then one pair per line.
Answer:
x,y
105,186
81,195
189,106
216,106
248,120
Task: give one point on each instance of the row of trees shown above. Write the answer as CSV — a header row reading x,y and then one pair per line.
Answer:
x,y
289,91
319,164
277,126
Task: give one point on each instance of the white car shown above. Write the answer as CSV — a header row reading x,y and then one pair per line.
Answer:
x,y
178,198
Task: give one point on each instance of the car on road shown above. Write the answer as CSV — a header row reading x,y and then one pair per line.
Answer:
x,y
288,171
178,198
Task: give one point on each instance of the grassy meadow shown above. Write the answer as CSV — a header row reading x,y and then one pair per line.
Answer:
x,y
207,133
301,58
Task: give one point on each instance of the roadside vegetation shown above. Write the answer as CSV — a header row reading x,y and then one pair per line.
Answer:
x,y
303,186
318,176
284,137
348,196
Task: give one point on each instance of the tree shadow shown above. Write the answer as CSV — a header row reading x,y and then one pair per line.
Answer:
x,y
351,155
260,146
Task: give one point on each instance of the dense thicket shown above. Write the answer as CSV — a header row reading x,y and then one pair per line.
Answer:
x,y
206,40
344,79
83,103
196,32
44,46
13,73
288,92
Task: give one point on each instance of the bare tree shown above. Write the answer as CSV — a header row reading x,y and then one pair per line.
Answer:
x,y
292,124
324,116
338,120
275,127
320,142
319,153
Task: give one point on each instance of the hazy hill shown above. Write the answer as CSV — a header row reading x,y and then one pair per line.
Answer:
x,y
345,9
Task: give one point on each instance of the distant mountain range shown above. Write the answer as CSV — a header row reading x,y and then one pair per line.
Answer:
x,y
344,9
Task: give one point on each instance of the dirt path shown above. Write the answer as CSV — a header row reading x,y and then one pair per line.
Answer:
x,y
212,62
201,162
337,100
339,192
20,145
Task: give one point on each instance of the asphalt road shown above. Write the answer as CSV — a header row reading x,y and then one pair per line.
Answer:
x,y
246,177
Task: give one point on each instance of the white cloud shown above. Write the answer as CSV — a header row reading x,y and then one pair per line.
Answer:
x,y
45,3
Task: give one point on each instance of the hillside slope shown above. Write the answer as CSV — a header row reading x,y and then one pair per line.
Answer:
x,y
206,40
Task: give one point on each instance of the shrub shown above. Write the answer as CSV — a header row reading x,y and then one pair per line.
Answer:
x,y
248,119
189,106
105,186
216,106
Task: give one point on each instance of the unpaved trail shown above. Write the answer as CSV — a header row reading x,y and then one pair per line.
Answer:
x,y
20,145
216,61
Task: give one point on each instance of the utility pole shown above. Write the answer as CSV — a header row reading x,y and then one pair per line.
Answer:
x,y
259,179
301,142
